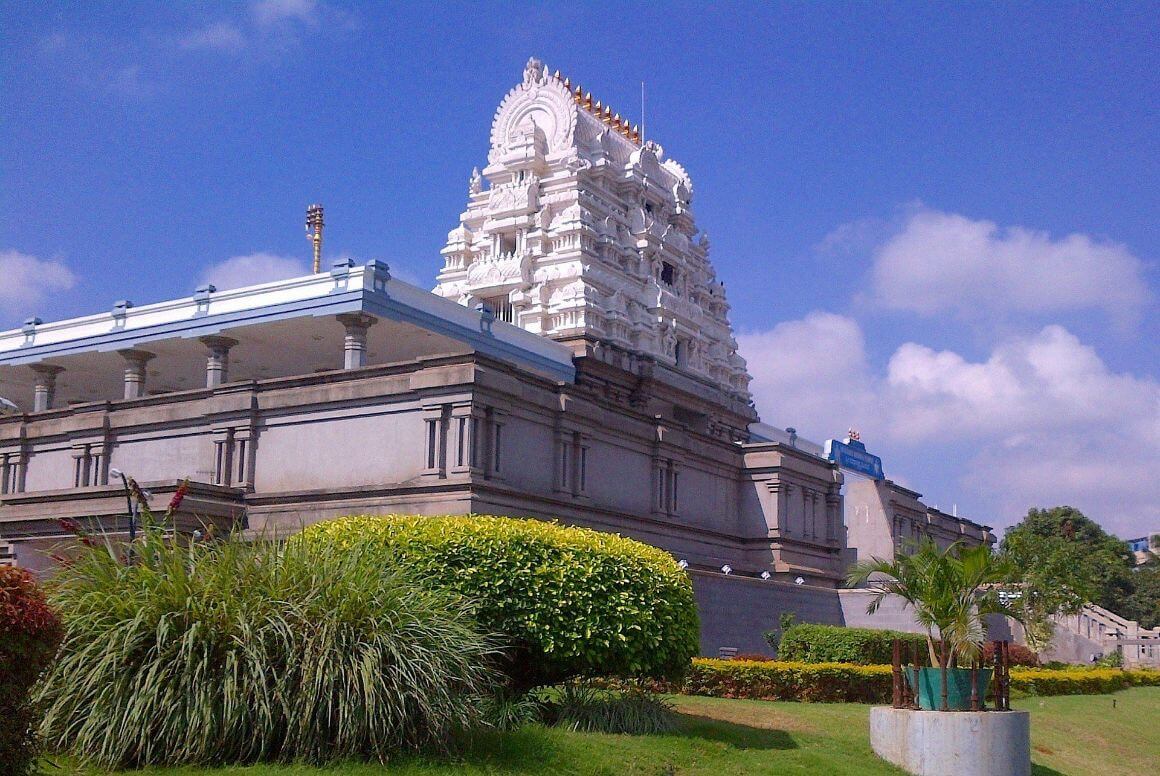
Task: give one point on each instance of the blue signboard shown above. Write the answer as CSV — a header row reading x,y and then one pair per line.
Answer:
x,y
852,455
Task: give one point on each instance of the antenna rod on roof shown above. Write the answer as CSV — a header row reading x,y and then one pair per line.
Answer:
x,y
642,113
314,233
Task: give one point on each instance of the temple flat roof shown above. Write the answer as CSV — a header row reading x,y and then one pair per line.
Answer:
x,y
283,327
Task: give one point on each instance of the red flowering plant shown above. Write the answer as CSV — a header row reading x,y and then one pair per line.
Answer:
x,y
30,633
141,500
141,516
178,497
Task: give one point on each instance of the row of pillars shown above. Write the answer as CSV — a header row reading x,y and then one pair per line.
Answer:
x,y
217,363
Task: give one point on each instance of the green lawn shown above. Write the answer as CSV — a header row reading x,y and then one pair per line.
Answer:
x,y
1074,735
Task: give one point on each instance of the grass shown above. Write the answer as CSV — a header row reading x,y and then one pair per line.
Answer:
x,y
1075,735
1109,735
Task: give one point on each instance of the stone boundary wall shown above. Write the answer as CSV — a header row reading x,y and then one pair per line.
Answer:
x,y
737,611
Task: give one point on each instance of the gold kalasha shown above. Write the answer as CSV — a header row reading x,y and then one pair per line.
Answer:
x,y
314,224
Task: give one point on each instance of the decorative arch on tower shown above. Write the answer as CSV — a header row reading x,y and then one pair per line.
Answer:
x,y
540,100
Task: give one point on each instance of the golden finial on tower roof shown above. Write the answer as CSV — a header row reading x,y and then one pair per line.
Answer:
x,y
314,233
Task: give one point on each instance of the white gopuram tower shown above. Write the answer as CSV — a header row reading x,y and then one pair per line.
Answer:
x,y
578,231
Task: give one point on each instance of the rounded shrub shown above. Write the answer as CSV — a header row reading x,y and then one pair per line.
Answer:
x,y
1017,654
29,634
236,652
571,601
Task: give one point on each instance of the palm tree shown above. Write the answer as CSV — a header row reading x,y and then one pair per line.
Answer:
x,y
950,590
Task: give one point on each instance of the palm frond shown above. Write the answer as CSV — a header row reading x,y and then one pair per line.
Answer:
x,y
950,590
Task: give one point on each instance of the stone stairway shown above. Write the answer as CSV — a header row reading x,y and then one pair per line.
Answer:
x,y
1096,631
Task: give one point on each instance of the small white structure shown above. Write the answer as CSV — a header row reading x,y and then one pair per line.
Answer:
x,y
958,743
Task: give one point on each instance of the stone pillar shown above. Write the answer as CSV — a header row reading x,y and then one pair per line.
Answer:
x,y
45,391
217,363
355,343
135,361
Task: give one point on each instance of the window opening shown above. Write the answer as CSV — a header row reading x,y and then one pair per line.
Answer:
x,y
668,273
501,308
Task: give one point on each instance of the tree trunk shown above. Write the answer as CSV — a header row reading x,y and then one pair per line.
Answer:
x,y
944,659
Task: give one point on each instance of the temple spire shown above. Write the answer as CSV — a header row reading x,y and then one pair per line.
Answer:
x,y
554,249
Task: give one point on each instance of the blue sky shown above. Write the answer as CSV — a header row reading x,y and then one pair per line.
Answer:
x,y
937,224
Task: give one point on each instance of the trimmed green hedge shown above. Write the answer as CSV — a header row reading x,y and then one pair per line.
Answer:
x,y
851,683
573,602
789,681
808,643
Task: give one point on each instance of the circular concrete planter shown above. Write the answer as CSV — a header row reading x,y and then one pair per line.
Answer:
x,y
958,743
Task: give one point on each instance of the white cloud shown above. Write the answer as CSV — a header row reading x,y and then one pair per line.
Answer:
x,y
271,26
1045,383
220,36
812,374
270,12
253,269
1102,473
1041,421
943,262
27,281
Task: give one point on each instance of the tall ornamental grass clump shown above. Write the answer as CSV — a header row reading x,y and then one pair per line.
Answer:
x,y
586,708
571,601
29,634
236,652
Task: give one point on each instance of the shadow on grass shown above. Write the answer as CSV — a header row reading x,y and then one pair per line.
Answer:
x,y
529,749
692,726
1043,770
536,749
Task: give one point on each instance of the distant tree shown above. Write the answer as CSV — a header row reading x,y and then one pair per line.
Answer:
x,y
1143,605
1066,560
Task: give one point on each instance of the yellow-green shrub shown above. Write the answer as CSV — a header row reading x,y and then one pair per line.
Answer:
x,y
1079,681
571,601
852,683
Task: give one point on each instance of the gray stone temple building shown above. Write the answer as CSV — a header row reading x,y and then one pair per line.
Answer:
x,y
575,362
